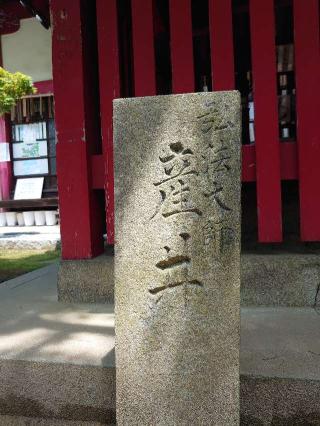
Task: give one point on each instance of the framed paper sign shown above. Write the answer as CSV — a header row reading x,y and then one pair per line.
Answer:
x,y
30,149
28,189
31,167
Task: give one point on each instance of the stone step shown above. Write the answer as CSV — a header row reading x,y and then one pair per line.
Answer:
x,y
280,373
280,366
29,237
282,279
57,360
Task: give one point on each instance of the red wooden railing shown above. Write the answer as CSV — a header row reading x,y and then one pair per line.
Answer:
x,y
268,161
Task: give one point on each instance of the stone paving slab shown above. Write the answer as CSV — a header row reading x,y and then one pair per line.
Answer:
x,y
30,237
34,326
57,360
286,279
5,230
280,342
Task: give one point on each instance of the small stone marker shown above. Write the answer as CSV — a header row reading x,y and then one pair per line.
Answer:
x,y
177,260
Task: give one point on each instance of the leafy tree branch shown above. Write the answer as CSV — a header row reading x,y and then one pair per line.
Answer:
x,y
12,87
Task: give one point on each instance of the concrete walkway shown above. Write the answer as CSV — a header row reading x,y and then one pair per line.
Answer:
x,y
57,360
29,237
35,327
282,342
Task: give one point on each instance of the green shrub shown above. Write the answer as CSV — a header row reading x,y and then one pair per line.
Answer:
x,y
12,88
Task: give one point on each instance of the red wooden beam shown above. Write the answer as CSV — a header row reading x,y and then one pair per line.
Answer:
x,y
183,80
13,11
44,87
221,42
107,29
288,155
98,177
262,28
248,163
143,48
307,62
80,212
289,162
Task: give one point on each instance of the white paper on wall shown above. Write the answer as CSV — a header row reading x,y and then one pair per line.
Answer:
x,y
29,188
4,152
31,167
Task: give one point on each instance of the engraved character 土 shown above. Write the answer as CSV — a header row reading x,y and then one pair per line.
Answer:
x,y
175,266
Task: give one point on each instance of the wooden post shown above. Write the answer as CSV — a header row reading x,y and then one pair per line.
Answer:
x,y
181,46
221,42
143,48
109,76
6,175
77,124
262,28
307,60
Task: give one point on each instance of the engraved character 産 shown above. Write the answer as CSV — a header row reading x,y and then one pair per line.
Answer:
x,y
178,183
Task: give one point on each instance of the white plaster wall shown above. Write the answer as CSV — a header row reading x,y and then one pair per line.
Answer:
x,y
28,50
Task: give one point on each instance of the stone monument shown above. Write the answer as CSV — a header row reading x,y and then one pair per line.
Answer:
x,y
177,259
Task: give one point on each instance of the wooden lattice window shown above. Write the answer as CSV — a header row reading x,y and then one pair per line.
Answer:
x,y
33,146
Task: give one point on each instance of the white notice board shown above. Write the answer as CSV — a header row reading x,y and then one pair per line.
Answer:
x,y
29,189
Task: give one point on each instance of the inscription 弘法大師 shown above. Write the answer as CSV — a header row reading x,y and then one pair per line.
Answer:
x,y
218,158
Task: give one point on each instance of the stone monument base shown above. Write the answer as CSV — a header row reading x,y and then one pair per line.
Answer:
x,y
86,281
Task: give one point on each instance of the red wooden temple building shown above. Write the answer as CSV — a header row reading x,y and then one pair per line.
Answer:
x,y
268,50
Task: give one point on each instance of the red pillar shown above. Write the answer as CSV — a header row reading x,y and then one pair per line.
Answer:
x,y
183,80
109,74
6,177
143,48
221,42
263,52
307,63
77,123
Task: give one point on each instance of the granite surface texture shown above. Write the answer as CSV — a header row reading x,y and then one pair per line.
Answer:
x,y
87,280
283,279
279,402
177,260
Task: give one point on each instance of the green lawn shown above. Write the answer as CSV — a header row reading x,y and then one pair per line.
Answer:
x,y
17,262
